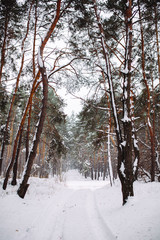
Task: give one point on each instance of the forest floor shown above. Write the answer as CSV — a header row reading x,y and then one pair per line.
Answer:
x,y
79,209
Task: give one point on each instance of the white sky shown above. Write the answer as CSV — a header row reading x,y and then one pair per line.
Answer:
x,y
73,104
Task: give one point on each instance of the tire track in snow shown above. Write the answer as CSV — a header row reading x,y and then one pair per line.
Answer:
x,y
70,215
48,224
57,228
83,220
76,226
97,223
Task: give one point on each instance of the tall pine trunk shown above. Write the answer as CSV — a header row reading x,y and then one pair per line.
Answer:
x,y
24,185
15,91
150,127
125,142
3,51
15,167
29,103
126,167
157,38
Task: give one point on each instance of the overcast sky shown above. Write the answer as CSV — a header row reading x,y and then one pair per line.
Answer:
x,y
73,104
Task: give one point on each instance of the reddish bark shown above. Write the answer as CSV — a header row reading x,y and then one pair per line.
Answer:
x,y
18,134
3,46
28,132
15,91
150,128
34,41
29,103
24,185
52,27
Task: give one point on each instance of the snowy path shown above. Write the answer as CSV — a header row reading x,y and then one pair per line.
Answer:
x,y
82,219
73,216
79,209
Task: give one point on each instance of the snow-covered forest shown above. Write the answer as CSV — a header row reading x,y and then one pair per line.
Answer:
x,y
111,147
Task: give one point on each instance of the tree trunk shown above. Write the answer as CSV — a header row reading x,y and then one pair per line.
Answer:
x,y
153,139
4,46
24,185
135,143
105,160
128,178
18,133
110,169
124,147
15,167
28,132
15,91
157,39
150,128
9,148
9,113
34,41
29,103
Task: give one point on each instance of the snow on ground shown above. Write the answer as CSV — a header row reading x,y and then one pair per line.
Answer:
x,y
79,209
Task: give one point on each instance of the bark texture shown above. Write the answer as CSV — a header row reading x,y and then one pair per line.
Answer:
x,y
29,103
15,167
16,89
125,142
24,185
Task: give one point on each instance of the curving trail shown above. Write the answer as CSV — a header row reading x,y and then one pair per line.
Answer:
x,y
79,209
71,215
83,220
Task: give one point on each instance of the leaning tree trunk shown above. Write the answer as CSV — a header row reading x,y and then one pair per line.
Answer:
x,y
15,90
24,185
15,167
29,103
18,133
